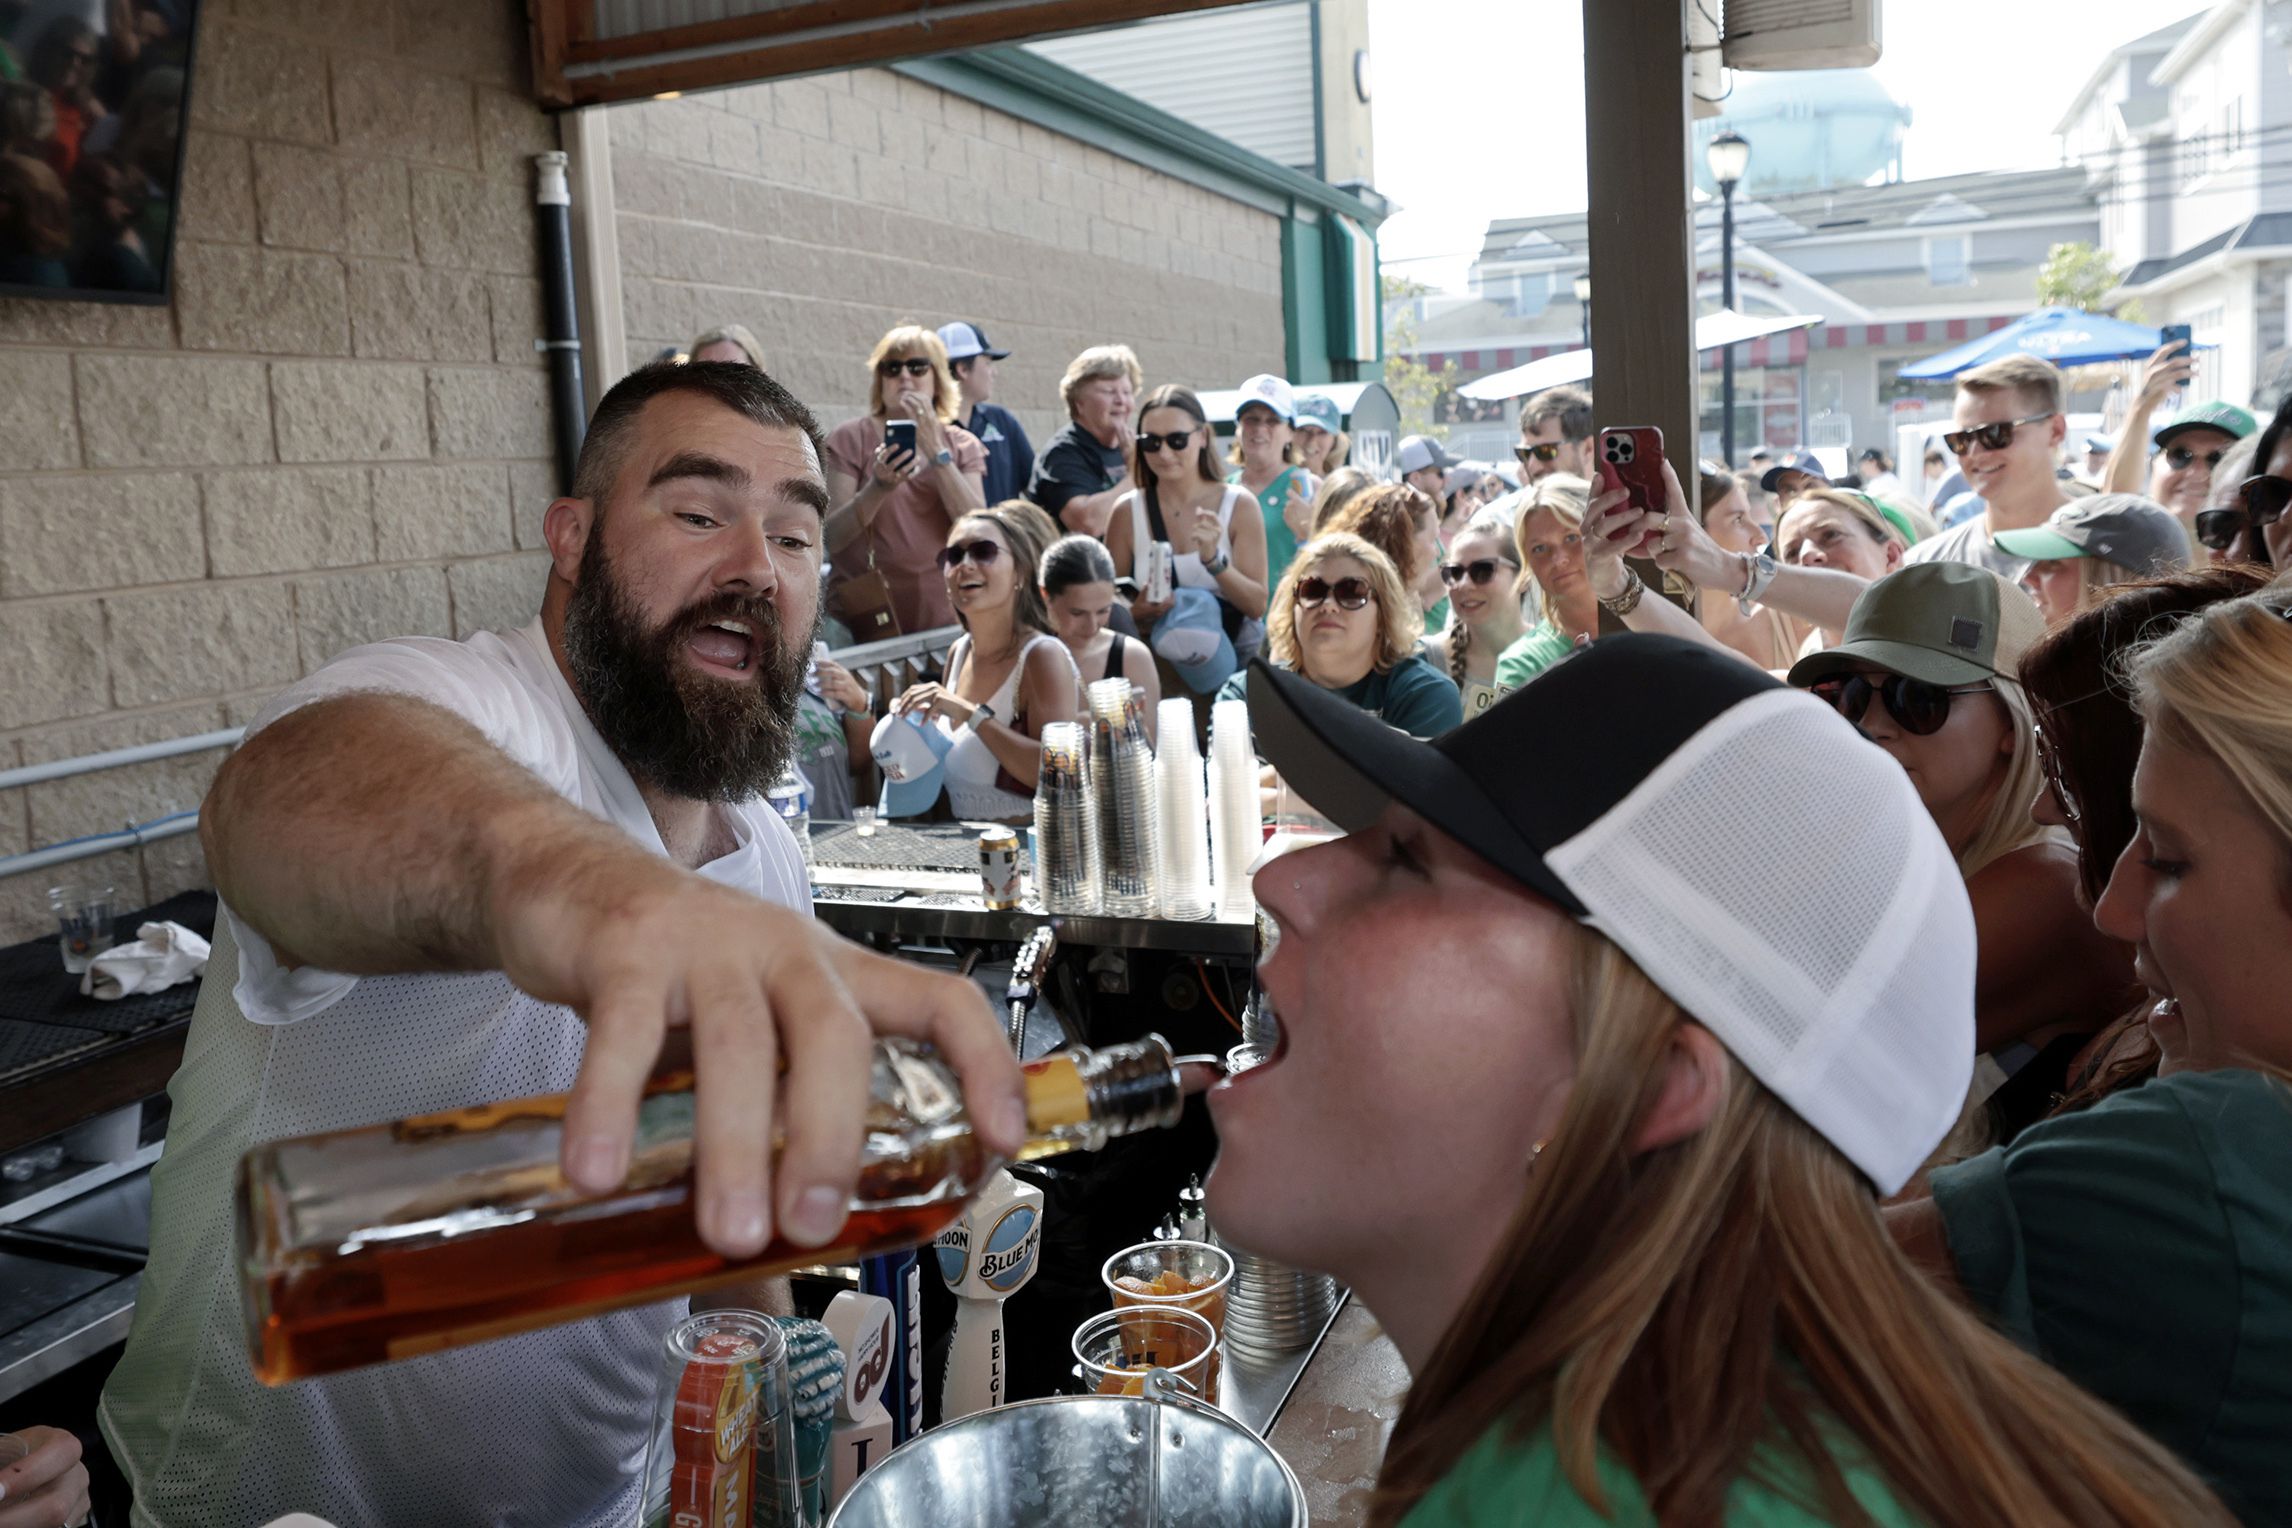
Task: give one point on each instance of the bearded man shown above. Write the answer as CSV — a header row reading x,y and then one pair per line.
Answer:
x,y
455,872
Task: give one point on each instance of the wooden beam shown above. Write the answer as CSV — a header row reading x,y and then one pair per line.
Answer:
x,y
1636,120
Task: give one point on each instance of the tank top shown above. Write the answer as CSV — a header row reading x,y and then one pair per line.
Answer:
x,y
1114,641
971,765
1246,632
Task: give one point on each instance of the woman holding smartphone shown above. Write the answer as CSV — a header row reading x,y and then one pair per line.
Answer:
x,y
899,477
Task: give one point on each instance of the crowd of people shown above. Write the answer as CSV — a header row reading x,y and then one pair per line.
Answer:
x,y
91,115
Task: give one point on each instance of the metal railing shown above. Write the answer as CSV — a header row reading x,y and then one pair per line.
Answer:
x,y
883,668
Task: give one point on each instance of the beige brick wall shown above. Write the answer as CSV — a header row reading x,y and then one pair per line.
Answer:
x,y
821,211
337,431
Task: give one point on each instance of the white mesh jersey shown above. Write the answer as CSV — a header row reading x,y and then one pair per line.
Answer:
x,y
548,1428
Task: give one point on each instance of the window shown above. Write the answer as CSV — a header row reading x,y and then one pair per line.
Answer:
x,y
1949,259
1531,293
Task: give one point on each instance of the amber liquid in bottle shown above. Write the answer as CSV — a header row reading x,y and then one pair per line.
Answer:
x,y
363,1246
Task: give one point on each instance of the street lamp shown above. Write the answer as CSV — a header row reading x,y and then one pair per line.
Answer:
x,y
1584,304
1728,155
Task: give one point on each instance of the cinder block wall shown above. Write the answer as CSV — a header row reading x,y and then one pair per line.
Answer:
x,y
819,212
323,440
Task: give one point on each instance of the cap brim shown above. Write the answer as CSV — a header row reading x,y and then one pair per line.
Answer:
x,y
1902,658
1349,766
996,355
912,798
2039,543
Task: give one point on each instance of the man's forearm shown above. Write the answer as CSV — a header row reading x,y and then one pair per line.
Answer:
x,y
375,833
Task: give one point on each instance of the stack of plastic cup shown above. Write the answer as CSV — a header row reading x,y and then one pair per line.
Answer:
x,y
1183,812
1067,867
1236,837
1122,784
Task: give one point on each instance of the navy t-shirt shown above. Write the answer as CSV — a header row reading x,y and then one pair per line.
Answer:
x,y
1010,455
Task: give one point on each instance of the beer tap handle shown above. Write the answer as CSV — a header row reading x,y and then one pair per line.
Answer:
x,y
1028,974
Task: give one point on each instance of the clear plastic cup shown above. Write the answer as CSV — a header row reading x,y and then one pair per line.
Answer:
x,y
83,922
1118,1348
863,819
1181,1275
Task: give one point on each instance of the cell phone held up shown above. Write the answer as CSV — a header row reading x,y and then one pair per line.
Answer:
x,y
898,439
1631,458
2175,332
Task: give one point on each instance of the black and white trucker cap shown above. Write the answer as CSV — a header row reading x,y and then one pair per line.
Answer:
x,y
1773,872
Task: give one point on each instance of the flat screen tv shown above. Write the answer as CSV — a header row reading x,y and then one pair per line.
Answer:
x,y
93,95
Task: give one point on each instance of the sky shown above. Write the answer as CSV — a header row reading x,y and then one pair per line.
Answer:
x,y
1459,144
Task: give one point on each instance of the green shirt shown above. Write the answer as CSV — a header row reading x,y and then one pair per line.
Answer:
x,y
1436,617
1412,695
1502,1484
1539,647
1280,545
2144,1249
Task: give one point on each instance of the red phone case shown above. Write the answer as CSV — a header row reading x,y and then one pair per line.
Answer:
x,y
1631,457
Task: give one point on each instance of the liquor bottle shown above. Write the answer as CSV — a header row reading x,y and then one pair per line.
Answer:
x,y
361,1246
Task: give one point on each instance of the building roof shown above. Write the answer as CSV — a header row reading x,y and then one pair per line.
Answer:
x,y
1787,217
2160,41
2270,230
2193,45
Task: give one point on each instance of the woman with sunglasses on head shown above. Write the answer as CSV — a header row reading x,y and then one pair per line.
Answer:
x,y
2252,525
1484,614
1549,536
1344,620
893,508
1615,1202
1183,498
2144,1246
1008,674
1929,671
2093,545
1076,576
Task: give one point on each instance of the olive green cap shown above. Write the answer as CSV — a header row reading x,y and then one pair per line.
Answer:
x,y
1948,623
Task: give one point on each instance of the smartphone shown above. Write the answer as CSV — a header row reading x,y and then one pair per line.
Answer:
x,y
2172,332
899,435
1127,587
1631,458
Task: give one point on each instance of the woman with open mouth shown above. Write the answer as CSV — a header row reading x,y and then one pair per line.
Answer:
x,y
1589,1081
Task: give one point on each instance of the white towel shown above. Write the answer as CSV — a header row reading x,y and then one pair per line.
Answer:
x,y
163,955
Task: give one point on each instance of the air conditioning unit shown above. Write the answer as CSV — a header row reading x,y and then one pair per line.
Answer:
x,y
1800,34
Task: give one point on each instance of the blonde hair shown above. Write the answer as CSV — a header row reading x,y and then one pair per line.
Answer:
x,y
905,341
1566,496
1100,363
2216,685
2037,380
1684,1307
2006,824
731,334
1854,503
1339,489
1399,624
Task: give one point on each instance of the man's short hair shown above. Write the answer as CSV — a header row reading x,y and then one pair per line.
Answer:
x,y
1100,363
741,388
2037,380
1572,406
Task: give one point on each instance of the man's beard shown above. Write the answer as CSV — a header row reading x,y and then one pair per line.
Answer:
x,y
675,729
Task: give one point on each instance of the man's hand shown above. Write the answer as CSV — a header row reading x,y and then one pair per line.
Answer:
x,y
48,1486
635,949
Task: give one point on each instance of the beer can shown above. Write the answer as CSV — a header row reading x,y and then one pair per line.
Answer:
x,y
723,1443
999,868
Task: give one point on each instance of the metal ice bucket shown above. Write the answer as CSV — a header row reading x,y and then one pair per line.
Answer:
x,y
1108,1461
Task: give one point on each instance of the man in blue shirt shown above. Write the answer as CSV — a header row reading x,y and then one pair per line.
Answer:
x,y
1010,455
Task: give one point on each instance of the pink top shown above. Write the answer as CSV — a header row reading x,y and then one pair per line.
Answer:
x,y
911,525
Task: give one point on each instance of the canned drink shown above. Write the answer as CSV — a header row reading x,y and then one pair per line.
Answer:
x,y
999,868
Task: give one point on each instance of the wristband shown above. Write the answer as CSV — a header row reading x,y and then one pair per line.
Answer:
x,y
981,714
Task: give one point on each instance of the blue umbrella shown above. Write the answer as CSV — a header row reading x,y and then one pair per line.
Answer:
x,y
2064,336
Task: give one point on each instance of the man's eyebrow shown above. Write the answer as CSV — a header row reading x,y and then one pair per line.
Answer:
x,y
806,490
699,464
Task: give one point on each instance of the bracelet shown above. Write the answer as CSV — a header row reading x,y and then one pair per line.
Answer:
x,y
1759,570
1628,601
1215,568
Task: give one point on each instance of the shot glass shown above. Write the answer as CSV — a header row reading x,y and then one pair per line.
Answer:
x,y
863,818
1118,1348
1176,1275
83,923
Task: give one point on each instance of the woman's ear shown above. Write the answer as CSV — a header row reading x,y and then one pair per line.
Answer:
x,y
1694,1084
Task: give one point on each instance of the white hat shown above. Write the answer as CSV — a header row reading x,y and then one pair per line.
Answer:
x,y
1830,948
1273,392
964,341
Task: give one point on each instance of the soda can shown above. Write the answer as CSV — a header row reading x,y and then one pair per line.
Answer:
x,y
999,868
723,1450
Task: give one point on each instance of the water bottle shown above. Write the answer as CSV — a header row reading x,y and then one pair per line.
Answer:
x,y
791,797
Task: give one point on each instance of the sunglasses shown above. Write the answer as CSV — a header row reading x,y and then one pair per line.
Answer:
x,y
982,552
1920,708
1480,570
1548,451
2178,457
914,366
1990,437
2049,760
1176,440
1350,593
2262,501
